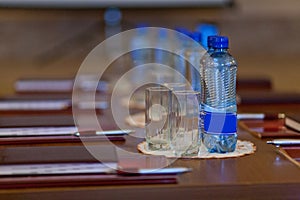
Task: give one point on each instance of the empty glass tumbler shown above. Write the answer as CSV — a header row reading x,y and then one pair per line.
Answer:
x,y
158,117
185,131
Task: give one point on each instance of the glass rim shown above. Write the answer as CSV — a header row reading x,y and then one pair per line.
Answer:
x,y
158,88
192,92
174,83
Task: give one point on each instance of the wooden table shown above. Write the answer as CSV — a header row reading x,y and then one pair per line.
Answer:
x,y
262,175
265,174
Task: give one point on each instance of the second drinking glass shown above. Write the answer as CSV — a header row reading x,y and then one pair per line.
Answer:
x,y
185,139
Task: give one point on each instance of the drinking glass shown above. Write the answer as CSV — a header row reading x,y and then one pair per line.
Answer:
x,y
158,117
184,138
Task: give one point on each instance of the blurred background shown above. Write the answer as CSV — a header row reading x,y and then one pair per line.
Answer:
x,y
51,38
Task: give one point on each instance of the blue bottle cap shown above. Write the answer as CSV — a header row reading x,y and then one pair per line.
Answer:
x,y
220,42
197,36
112,16
207,29
210,40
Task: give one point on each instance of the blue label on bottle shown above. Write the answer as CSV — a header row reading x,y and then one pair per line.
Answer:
x,y
220,123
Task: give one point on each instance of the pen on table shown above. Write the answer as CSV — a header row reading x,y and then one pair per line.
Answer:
x,y
58,131
279,142
175,170
260,116
151,171
107,133
91,168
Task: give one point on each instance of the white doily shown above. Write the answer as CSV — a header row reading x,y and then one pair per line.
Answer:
x,y
242,148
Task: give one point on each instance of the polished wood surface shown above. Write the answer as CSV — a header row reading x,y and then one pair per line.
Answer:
x,y
266,174
262,175
53,43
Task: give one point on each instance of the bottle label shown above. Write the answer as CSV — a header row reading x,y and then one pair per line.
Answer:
x,y
220,123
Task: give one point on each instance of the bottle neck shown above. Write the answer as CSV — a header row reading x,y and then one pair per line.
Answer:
x,y
221,50
210,50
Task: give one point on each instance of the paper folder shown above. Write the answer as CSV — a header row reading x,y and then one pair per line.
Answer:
x,y
70,154
83,180
268,128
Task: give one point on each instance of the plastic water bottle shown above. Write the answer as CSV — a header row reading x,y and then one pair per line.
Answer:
x,y
194,53
191,52
112,19
180,62
140,56
218,99
141,39
161,56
